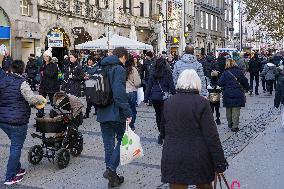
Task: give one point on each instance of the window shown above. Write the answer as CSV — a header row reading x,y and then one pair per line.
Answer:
x,y
212,22
142,9
226,14
207,21
124,6
201,19
98,3
216,23
26,8
230,16
150,8
130,7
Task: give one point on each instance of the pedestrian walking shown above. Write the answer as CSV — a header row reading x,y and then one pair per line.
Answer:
x,y
215,95
159,88
263,82
133,82
89,71
31,71
234,84
240,61
221,61
189,61
16,97
279,93
269,73
254,68
112,118
73,77
192,151
49,84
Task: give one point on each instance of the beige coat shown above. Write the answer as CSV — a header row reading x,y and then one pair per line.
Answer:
x,y
133,82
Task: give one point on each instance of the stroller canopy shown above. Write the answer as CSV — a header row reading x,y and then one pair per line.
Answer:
x,y
68,102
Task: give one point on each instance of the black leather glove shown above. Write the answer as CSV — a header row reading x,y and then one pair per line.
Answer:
x,y
221,168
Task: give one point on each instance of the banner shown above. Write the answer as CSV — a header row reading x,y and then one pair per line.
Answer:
x,y
55,39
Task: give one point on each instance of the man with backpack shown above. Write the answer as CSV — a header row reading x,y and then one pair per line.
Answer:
x,y
113,109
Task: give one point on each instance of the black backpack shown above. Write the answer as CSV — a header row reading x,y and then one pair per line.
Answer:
x,y
101,91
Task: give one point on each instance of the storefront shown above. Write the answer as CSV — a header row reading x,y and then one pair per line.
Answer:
x,y
5,34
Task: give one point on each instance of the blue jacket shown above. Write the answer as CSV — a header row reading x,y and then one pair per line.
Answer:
x,y
155,87
14,109
234,91
2,73
119,110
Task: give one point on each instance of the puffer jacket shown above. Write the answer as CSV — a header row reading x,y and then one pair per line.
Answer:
x,y
188,61
269,72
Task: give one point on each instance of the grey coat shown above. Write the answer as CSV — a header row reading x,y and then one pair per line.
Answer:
x,y
188,61
269,72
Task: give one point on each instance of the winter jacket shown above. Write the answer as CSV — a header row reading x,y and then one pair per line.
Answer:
x,y
90,71
73,77
2,73
155,88
209,65
221,61
133,82
146,70
279,94
241,64
192,151
254,66
49,79
233,90
31,69
119,109
14,109
188,61
6,63
269,72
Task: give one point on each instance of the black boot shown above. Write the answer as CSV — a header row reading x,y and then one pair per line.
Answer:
x,y
114,179
218,122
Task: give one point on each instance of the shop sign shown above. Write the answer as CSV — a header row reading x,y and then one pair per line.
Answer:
x,y
78,31
4,32
55,39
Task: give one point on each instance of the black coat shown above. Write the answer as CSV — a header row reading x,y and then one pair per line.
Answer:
x,y
31,69
279,94
254,66
49,79
6,63
192,150
73,77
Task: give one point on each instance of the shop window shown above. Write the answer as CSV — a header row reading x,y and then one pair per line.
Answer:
x,y
26,8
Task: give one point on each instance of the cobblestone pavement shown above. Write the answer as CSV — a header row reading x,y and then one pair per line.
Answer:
x,y
86,171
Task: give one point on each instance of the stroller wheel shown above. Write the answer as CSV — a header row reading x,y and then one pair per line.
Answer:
x,y
62,158
35,154
76,146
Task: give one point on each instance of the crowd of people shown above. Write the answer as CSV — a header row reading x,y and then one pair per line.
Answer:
x,y
184,92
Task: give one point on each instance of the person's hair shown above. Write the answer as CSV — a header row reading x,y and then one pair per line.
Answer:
x,y
74,54
92,59
160,68
150,54
129,66
50,60
18,66
120,52
230,63
189,49
189,79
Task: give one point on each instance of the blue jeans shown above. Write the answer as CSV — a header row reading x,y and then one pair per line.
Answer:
x,y
110,131
132,100
17,135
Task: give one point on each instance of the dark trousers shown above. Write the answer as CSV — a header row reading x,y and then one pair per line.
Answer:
x,y
132,100
263,82
269,85
17,134
158,106
89,107
50,96
215,106
254,76
110,131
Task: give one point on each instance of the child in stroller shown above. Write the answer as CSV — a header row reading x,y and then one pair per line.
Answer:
x,y
64,120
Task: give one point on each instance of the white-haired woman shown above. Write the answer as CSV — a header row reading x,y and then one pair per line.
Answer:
x,y
192,151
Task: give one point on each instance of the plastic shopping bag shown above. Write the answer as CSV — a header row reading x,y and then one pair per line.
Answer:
x,y
140,95
130,148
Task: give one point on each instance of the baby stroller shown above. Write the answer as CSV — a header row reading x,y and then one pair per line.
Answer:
x,y
64,120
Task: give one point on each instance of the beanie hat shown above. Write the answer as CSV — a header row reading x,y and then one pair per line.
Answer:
x,y
48,52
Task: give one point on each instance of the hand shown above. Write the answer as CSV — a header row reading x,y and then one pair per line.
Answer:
x,y
86,77
205,97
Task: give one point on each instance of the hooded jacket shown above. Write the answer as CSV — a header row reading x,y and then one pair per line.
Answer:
x,y
189,61
269,71
119,109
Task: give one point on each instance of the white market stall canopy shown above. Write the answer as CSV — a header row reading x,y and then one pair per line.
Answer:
x,y
114,41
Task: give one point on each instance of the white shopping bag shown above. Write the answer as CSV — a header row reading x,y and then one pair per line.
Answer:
x,y
130,148
140,95
282,123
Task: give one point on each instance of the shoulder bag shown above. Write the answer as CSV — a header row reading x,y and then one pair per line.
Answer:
x,y
166,95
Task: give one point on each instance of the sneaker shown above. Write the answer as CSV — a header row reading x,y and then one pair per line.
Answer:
x,y
218,122
14,180
235,130
250,93
21,172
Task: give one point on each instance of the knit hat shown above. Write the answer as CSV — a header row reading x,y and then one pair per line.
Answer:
x,y
48,52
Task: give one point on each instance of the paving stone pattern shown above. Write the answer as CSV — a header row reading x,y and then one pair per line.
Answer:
x,y
86,171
